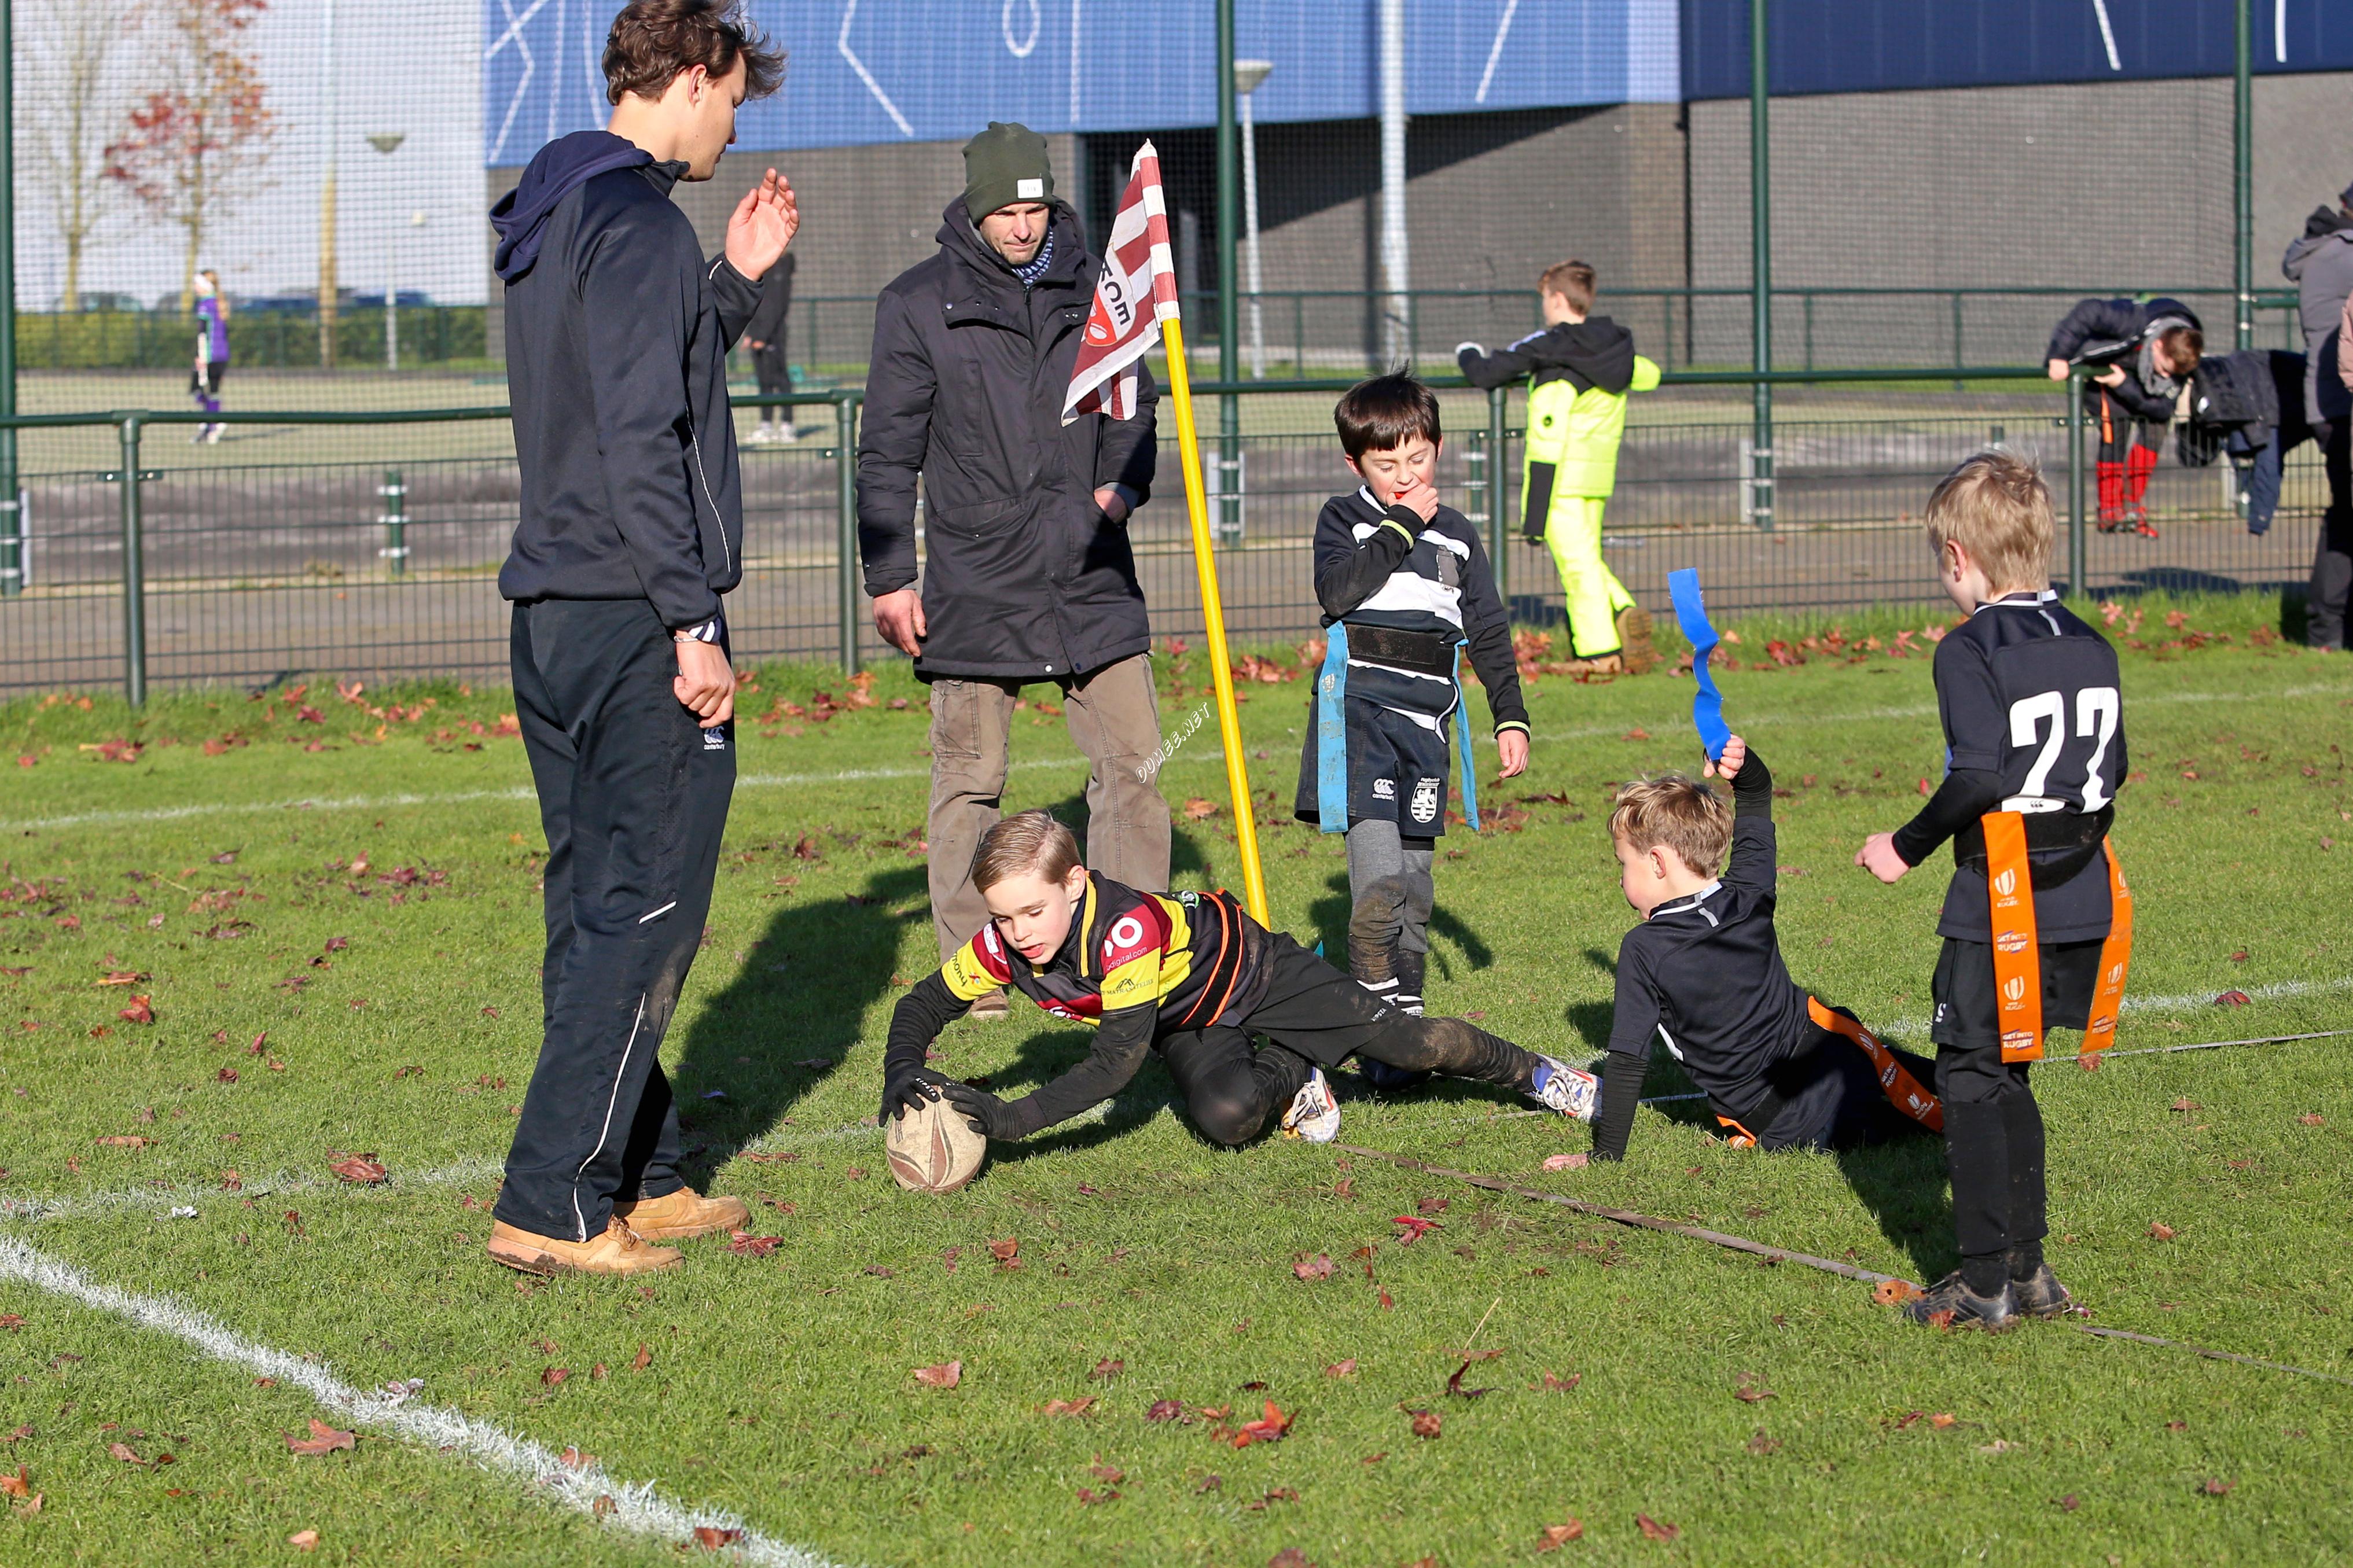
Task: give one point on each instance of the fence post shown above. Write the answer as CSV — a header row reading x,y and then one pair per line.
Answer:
x,y
2076,568
395,522
1498,522
1760,270
845,467
134,571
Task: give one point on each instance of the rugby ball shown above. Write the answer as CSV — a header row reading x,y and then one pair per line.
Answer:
x,y
933,1149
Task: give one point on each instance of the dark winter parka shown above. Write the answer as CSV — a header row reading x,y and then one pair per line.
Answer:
x,y
2105,332
1026,577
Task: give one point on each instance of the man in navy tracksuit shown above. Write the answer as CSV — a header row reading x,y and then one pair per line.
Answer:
x,y
631,528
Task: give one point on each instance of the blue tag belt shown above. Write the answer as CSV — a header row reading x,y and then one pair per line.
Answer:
x,y
1332,736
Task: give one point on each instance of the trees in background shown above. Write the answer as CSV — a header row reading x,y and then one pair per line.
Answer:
x,y
192,151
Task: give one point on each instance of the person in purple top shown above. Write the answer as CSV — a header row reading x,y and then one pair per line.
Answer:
x,y
212,352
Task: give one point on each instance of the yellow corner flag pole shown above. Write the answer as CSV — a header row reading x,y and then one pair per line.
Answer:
x,y
1213,615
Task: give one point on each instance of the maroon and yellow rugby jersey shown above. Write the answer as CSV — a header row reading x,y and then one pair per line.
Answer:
x,y
1183,956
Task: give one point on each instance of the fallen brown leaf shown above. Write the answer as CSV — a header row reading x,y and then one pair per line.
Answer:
x,y
1197,809
1553,1537
1655,1528
710,1537
1454,1384
1108,1368
1006,1251
2161,1231
1751,1392
1761,1444
946,1374
1077,1407
574,1459
303,1541
122,1452
1426,1423
1316,1267
18,1485
365,1169
125,1140
2217,1488
1090,1496
1893,1292
1941,1420
323,1439
1342,1368
551,1377
1552,1384
645,1358
2070,1503
745,1245
2310,1119
1164,1410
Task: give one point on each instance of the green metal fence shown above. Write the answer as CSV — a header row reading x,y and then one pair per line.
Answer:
x,y
159,568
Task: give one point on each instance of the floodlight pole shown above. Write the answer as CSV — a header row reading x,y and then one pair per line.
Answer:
x,y
1760,274
1249,75
11,516
2243,175
328,287
1229,410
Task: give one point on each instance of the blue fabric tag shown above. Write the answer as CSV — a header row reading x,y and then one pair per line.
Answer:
x,y
1462,745
1707,703
1332,732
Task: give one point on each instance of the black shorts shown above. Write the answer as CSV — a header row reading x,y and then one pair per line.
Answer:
x,y
1312,1009
1968,1013
1397,770
1831,1099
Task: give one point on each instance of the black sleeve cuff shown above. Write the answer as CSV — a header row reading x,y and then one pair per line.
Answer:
x,y
1622,1095
1752,788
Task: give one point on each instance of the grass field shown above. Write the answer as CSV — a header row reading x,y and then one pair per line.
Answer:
x,y
335,925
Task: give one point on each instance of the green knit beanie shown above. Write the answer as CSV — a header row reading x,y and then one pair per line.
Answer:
x,y
1003,165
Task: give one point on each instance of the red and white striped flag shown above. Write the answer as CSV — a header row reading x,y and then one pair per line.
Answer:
x,y
1137,271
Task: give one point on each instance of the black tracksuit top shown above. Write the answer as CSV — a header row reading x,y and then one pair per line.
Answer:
x,y
617,338
1704,974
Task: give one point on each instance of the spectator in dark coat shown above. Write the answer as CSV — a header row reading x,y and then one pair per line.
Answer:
x,y
2251,406
2319,262
1028,575
765,336
2144,351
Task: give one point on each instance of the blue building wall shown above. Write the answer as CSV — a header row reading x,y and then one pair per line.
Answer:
x,y
927,70
1878,46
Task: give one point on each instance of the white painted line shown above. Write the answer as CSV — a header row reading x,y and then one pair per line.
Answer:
x,y
160,1200
635,1507
867,776
2278,990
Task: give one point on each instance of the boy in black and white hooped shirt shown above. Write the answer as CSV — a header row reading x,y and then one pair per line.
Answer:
x,y
1406,588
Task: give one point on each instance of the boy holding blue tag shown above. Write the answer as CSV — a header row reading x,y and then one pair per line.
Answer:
x,y
1406,589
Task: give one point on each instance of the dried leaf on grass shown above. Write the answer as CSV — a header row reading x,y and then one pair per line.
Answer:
x,y
645,1358
1268,1428
1752,1391
1893,1292
2161,1231
18,1485
1316,1267
1553,1537
1454,1384
1655,1530
1575,1162
303,1541
323,1439
1107,1369
744,1244
710,1537
1414,1229
1197,809
1077,1407
1164,1410
1426,1423
946,1374
364,1169
1342,1368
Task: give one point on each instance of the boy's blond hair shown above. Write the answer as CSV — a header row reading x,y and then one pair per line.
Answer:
x,y
1026,841
1679,812
1995,506
1573,281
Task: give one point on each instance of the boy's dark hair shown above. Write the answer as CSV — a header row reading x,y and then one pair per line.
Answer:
x,y
2185,346
1573,281
1385,413
651,41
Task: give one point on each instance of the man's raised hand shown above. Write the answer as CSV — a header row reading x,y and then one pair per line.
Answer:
x,y
705,682
898,617
763,224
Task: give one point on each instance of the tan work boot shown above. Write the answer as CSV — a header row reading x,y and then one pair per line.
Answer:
x,y
1634,639
1605,664
682,1215
619,1250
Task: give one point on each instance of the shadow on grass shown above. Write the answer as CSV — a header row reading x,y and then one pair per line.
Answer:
x,y
1328,919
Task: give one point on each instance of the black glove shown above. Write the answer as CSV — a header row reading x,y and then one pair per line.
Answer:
x,y
988,1115
907,1087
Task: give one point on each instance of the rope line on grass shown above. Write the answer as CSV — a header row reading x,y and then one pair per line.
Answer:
x,y
1772,1255
633,1508
2137,1051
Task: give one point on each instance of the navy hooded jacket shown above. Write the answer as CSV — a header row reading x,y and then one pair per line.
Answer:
x,y
617,340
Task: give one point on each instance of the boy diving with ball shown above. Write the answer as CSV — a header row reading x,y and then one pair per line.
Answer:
x,y
1189,977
